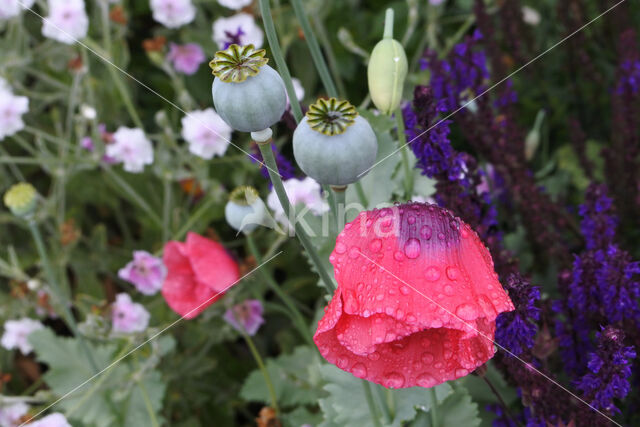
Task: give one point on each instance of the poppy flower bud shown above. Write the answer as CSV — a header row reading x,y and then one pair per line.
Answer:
x,y
387,70
21,199
248,94
417,298
333,144
244,210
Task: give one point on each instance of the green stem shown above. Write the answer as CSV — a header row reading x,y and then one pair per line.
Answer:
x,y
126,99
383,404
340,196
263,369
134,195
272,37
404,148
314,48
166,208
433,411
361,195
331,57
297,317
62,301
375,417
276,180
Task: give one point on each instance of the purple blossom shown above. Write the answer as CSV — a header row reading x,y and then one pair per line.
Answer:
x,y
145,272
128,316
16,334
186,58
609,370
55,419
516,330
246,316
11,414
598,219
285,168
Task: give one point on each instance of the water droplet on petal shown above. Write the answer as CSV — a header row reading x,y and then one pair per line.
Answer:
x,y
375,245
374,356
393,380
359,370
426,232
380,297
453,273
411,319
467,311
432,274
404,290
354,252
449,290
341,248
342,362
398,256
425,380
461,372
427,358
441,236
412,248
411,219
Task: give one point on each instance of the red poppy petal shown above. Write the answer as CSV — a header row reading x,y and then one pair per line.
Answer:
x,y
211,263
187,297
175,259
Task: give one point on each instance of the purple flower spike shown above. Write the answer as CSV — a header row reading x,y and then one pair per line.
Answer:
x,y
145,272
186,58
516,330
246,316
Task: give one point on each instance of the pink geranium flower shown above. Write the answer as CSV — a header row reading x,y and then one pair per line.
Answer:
x,y
246,316
186,58
145,272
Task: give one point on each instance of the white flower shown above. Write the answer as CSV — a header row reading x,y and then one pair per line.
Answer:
x,y
530,15
128,316
235,4
16,333
11,8
298,89
10,414
206,133
67,21
132,148
239,29
173,13
88,112
301,192
55,419
11,110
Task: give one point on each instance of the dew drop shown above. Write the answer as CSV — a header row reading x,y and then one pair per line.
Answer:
x,y
461,372
411,319
360,286
449,290
404,290
412,248
453,273
467,311
354,252
380,297
441,236
375,245
374,356
432,274
342,362
427,358
425,380
426,232
341,248
393,380
359,370
411,219
398,256
464,233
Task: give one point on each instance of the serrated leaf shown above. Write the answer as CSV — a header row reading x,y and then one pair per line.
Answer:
x,y
346,403
294,376
456,410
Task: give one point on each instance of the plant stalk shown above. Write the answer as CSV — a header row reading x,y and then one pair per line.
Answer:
x,y
263,370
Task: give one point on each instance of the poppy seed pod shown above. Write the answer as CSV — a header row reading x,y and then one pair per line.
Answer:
x,y
333,144
387,70
247,94
244,210
417,298
21,199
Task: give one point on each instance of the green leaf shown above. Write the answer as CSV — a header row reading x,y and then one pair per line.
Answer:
x,y
456,410
295,379
144,400
346,403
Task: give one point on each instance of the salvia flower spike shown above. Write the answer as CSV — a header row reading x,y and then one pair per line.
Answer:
x,y
417,298
333,144
248,94
331,116
237,63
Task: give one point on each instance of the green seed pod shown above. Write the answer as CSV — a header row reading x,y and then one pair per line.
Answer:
x,y
333,144
387,70
244,210
247,94
21,199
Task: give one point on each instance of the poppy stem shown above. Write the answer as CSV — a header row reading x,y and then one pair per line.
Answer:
x,y
295,314
276,52
276,180
263,370
495,391
404,150
340,196
433,411
59,295
372,405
